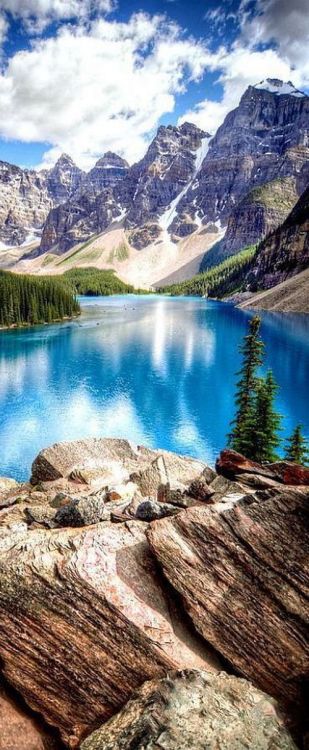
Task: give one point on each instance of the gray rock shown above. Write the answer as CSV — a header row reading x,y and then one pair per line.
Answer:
x,y
193,709
42,514
150,510
83,511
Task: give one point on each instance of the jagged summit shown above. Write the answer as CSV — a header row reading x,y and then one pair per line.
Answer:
x,y
275,86
110,160
65,159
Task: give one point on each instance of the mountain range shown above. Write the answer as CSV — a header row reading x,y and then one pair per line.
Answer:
x,y
193,199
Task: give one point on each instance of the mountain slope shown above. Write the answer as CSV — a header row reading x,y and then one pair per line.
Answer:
x,y
285,252
291,295
141,197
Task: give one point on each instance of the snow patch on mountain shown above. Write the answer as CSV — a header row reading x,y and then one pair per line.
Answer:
x,y
274,86
167,218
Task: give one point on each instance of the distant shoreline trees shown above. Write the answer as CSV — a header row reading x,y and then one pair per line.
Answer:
x,y
28,300
255,427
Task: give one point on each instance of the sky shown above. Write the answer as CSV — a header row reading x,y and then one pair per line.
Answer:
x,y
87,76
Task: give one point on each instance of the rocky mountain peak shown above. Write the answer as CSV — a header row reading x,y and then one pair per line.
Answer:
x,y
65,160
278,87
64,179
110,160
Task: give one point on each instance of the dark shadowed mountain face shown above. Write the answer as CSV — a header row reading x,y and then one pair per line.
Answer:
x,y
247,178
265,139
285,252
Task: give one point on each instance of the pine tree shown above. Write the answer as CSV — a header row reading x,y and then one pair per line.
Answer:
x,y
297,449
266,421
243,426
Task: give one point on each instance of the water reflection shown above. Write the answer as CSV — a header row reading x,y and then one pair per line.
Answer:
x,y
157,370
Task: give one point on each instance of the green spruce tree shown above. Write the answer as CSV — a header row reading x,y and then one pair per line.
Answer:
x,y
266,422
241,438
297,450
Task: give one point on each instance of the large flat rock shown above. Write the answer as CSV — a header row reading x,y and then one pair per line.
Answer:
x,y
85,619
112,460
197,710
244,580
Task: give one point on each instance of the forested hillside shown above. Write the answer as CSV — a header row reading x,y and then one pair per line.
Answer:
x,y
93,281
226,278
30,300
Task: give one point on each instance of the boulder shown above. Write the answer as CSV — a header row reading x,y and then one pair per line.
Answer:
x,y
85,619
42,514
290,473
200,490
233,465
148,480
110,462
195,709
82,511
242,572
175,494
230,463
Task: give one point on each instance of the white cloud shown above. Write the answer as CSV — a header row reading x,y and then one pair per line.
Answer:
x,y
3,28
277,23
87,91
283,23
37,14
238,69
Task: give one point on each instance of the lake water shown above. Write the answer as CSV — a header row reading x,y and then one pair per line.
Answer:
x,y
160,371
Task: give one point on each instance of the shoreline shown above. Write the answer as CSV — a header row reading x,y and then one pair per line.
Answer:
x,y
19,326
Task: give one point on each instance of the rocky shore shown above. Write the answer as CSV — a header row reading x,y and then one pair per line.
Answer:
x,y
148,601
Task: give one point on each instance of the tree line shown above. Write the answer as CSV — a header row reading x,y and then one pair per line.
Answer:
x,y
93,282
218,281
29,300
256,425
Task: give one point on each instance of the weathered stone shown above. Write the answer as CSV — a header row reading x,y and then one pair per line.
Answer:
x,y
61,499
19,729
149,479
114,461
150,510
208,474
243,575
257,482
42,514
175,494
200,490
199,710
85,619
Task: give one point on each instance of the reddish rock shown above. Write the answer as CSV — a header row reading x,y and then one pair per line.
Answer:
x,y
20,730
290,473
243,575
230,463
85,620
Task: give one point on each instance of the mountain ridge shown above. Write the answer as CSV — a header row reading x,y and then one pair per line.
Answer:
x,y
189,187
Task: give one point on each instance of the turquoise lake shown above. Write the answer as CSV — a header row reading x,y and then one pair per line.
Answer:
x,y
160,371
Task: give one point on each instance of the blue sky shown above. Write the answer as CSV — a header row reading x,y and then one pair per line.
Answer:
x,y
86,76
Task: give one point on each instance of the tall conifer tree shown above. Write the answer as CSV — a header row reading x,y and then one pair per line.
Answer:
x,y
266,421
252,348
297,449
